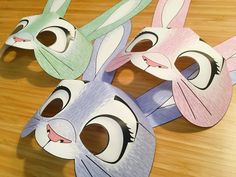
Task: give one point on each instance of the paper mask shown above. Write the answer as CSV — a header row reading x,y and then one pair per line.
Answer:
x,y
61,49
202,99
158,103
77,106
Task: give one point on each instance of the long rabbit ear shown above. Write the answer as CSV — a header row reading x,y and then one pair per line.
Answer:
x,y
57,6
113,18
171,13
30,127
228,50
105,50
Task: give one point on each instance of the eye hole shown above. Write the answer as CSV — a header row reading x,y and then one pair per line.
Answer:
x,y
115,136
55,38
47,38
53,108
142,46
95,138
56,102
143,42
20,26
203,68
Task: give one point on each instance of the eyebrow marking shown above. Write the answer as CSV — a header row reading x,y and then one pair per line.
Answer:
x,y
62,88
86,82
117,98
67,22
27,21
147,32
65,89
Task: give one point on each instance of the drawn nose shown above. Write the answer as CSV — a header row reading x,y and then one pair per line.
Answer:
x,y
17,39
153,63
53,136
150,62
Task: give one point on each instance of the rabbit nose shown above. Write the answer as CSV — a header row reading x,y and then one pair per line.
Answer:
x,y
17,39
53,136
153,63
150,62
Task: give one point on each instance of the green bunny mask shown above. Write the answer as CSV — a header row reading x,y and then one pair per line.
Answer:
x,y
60,48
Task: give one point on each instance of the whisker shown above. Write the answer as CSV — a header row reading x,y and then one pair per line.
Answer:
x,y
146,129
186,100
49,62
36,118
197,97
147,67
160,106
98,166
46,144
86,168
58,59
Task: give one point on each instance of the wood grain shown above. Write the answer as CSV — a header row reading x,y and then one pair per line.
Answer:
x,y
182,149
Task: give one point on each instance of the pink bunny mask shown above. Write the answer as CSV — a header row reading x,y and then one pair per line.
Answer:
x,y
202,99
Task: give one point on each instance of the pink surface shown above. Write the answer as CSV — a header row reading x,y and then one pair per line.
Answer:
x,y
204,107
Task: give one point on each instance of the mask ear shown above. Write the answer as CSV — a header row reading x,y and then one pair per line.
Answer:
x,y
158,107
57,6
105,50
228,50
113,18
30,127
171,13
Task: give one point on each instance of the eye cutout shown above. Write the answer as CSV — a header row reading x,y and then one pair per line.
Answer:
x,y
183,62
56,102
143,42
56,38
95,138
20,26
47,38
205,68
114,137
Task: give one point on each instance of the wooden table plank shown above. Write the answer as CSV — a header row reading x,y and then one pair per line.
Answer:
x,y
182,149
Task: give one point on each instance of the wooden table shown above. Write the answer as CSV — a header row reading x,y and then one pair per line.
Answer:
x,y
182,150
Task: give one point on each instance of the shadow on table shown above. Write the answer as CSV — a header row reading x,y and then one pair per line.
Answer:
x,y
181,125
136,82
37,161
18,63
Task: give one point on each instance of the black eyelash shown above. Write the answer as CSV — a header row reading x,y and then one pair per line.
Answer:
x,y
214,66
147,32
25,20
128,138
63,88
122,101
127,134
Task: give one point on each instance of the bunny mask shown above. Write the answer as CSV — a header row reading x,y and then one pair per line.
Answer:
x,y
203,98
61,49
76,106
